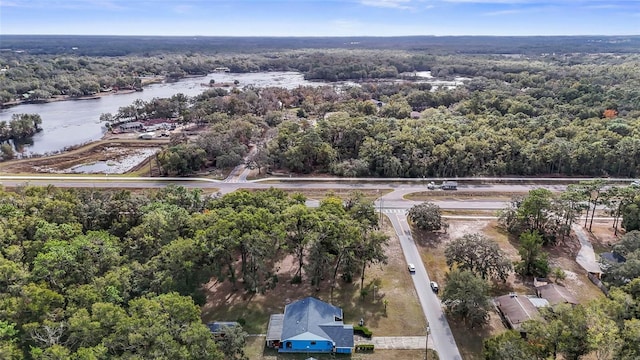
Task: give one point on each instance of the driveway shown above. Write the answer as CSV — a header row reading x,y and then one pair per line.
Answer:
x,y
586,256
443,340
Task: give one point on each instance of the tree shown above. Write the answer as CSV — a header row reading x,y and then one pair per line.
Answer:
x,y
564,331
233,342
480,255
301,226
534,260
6,152
593,189
466,297
617,199
631,215
427,216
508,346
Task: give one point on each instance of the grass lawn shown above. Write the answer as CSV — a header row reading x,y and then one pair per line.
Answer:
x,y
403,315
319,194
255,350
461,195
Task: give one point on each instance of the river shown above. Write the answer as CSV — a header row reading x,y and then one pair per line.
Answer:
x,y
73,122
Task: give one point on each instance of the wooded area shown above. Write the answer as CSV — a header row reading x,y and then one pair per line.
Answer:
x,y
115,274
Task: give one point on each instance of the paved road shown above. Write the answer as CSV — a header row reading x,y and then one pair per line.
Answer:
x,y
439,329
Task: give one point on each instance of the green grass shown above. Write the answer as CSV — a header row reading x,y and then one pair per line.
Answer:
x,y
256,350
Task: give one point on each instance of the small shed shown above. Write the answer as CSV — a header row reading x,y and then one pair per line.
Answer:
x,y
613,258
556,294
219,328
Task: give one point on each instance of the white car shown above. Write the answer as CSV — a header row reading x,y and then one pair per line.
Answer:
x,y
434,287
636,183
412,268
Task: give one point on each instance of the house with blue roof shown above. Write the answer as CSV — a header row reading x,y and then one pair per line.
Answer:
x,y
310,326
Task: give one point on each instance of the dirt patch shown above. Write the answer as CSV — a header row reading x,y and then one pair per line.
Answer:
x,y
604,236
116,158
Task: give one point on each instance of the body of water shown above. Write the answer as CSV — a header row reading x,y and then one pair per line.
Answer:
x,y
73,122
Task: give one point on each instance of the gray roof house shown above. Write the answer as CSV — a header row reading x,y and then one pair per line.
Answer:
x,y
312,326
515,310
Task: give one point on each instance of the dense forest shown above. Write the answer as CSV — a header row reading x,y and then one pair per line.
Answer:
x,y
513,117
89,274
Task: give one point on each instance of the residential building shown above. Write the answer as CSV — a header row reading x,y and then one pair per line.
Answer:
x,y
310,326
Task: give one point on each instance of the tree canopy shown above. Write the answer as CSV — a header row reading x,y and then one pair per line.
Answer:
x,y
118,274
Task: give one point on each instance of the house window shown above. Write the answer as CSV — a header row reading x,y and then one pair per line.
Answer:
x,y
313,343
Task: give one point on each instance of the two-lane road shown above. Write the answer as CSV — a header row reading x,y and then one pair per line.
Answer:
x,y
439,330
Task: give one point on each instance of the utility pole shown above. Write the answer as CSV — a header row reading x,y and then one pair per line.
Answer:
x,y
380,208
426,346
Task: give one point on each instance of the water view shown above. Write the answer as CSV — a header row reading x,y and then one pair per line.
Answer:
x,y
74,122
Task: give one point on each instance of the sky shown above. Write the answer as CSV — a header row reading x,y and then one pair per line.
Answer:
x,y
320,17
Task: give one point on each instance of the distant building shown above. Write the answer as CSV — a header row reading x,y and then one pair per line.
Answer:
x,y
131,126
310,326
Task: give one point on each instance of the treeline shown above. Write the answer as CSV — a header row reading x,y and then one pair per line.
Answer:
x,y
114,274
126,45
39,77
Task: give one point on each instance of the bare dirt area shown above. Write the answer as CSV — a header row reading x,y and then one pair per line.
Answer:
x,y
604,236
562,255
389,284
112,157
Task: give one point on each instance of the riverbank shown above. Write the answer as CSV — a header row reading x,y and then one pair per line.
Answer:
x,y
144,82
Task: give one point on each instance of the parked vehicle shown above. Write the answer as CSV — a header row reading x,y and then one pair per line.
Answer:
x,y
434,287
450,185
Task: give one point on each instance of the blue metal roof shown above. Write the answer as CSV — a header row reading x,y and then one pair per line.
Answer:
x,y
312,319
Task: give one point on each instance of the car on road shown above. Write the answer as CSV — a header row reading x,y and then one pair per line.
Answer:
x,y
434,287
635,183
412,268
431,186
